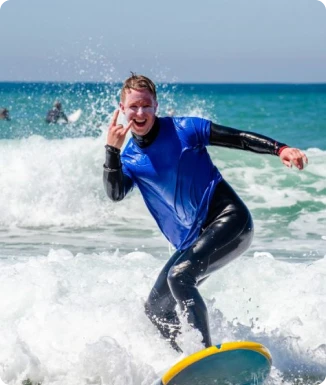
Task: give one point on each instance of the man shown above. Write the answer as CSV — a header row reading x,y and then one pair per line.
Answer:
x,y
4,114
195,208
56,114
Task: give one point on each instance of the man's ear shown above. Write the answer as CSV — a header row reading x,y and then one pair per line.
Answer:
x,y
122,108
156,106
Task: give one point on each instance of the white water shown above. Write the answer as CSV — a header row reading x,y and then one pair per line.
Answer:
x,y
75,269
78,319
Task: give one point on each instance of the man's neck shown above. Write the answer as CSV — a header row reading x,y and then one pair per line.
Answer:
x,y
147,139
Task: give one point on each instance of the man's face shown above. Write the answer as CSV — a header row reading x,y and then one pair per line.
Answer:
x,y
140,107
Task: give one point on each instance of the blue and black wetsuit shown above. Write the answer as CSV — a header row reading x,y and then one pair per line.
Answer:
x,y
195,208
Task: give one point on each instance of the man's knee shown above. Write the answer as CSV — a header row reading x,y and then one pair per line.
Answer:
x,y
179,277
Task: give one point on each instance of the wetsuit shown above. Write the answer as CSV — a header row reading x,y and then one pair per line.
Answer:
x,y
225,227
54,115
4,114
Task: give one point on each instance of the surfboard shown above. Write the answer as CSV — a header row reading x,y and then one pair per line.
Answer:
x,y
72,118
240,363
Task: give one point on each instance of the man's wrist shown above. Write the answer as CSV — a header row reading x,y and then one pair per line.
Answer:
x,y
112,160
281,149
112,149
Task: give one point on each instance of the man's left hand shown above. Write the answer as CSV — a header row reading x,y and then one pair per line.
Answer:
x,y
293,156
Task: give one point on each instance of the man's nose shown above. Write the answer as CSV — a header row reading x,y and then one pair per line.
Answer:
x,y
140,110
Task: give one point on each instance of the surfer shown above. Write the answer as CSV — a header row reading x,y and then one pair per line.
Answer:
x,y
56,114
193,205
4,114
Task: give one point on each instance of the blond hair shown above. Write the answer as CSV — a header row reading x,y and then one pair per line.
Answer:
x,y
138,82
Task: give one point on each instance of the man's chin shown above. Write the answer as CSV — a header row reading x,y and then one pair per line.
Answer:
x,y
140,130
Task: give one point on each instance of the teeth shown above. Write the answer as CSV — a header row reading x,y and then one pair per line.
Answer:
x,y
140,121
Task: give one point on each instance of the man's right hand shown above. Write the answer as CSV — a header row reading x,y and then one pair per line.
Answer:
x,y
117,133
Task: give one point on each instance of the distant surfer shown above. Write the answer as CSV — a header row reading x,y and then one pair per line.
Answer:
x,y
4,114
193,205
56,114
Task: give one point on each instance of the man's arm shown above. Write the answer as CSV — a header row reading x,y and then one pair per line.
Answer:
x,y
116,183
244,140
250,141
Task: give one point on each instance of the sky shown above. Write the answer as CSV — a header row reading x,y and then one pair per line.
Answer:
x,y
202,41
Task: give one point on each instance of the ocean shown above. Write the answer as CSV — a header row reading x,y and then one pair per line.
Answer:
x,y
75,268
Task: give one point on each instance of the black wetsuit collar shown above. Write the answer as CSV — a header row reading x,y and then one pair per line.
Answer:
x,y
148,139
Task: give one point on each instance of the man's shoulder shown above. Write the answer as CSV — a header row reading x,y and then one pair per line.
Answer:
x,y
182,122
192,129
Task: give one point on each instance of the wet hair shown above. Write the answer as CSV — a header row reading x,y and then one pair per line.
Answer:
x,y
138,82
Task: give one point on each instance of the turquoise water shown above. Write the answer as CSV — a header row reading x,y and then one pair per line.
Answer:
x,y
294,112
76,268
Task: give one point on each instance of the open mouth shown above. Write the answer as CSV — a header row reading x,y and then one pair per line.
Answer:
x,y
140,123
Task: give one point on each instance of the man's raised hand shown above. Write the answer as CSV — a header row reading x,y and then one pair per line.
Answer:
x,y
117,132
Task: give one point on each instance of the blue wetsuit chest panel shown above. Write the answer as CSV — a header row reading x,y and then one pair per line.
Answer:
x,y
176,177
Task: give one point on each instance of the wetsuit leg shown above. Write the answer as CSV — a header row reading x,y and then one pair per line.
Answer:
x,y
160,305
227,233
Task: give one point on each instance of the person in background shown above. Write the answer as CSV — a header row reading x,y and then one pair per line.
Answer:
x,y
194,206
4,114
56,114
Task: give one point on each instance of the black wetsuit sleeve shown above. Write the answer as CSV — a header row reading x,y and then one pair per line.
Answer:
x,y
244,140
116,183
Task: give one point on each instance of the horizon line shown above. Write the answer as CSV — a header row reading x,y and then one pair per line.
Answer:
x,y
161,82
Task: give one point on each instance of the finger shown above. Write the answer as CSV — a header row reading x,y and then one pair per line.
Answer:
x,y
113,130
298,163
128,126
287,163
302,159
115,117
116,130
302,156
